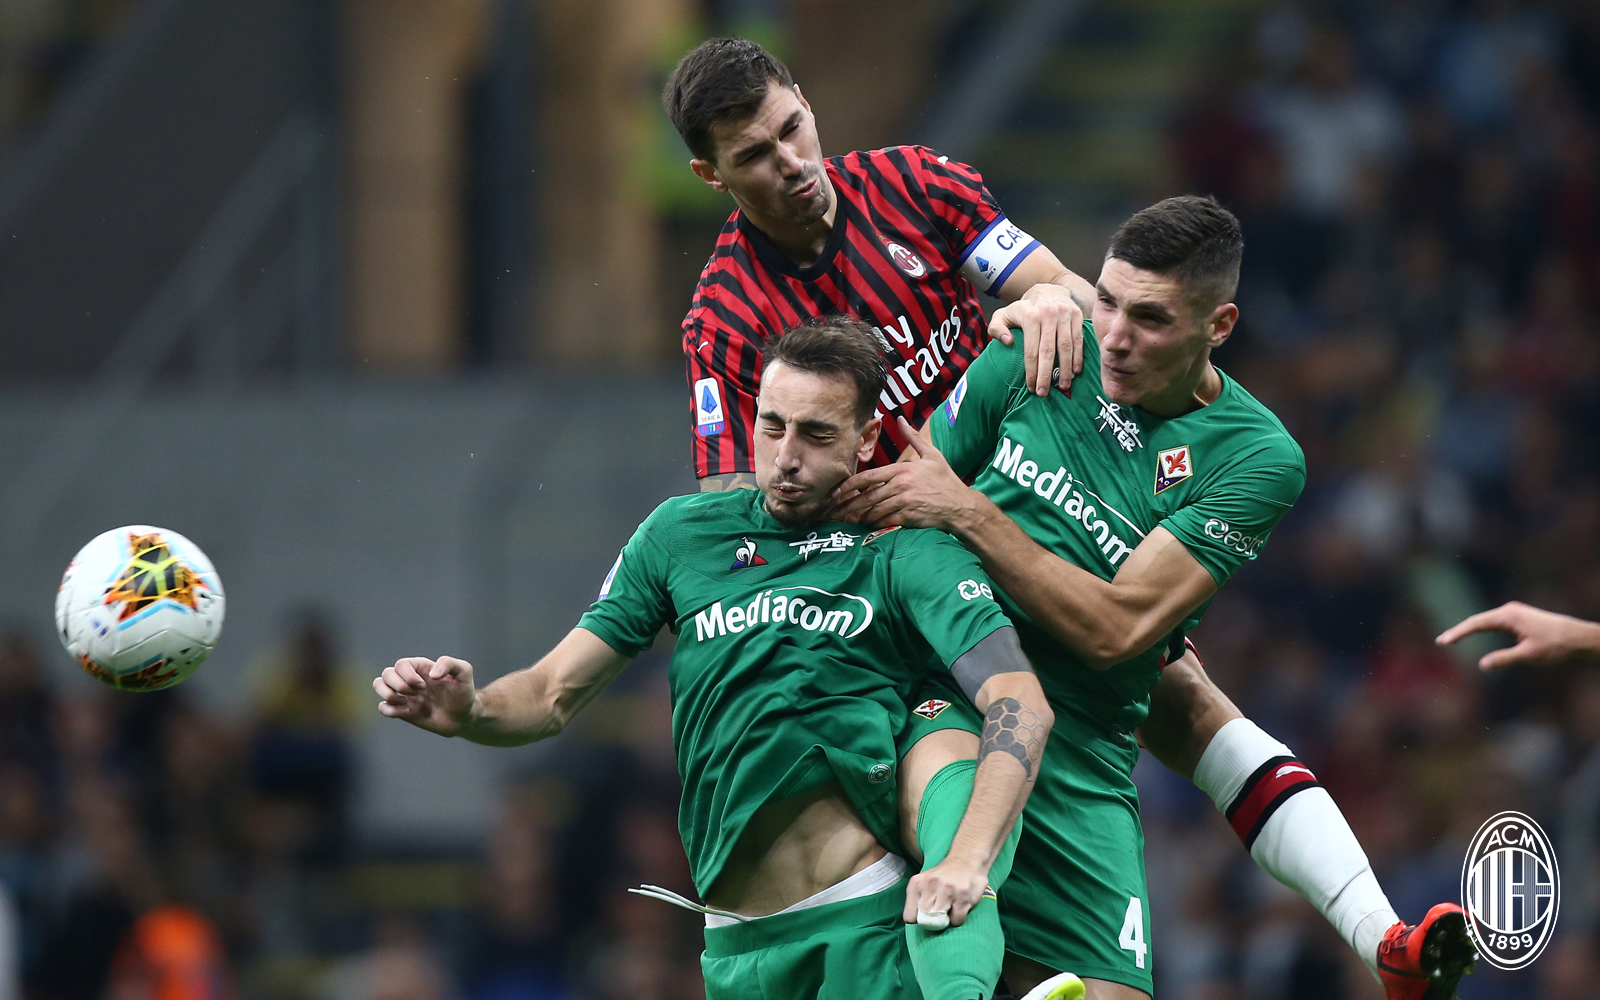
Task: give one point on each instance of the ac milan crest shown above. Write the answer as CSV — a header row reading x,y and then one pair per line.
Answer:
x,y
907,261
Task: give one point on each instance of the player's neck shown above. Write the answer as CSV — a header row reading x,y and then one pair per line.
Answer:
x,y
1199,388
801,243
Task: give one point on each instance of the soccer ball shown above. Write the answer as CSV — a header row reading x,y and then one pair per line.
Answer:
x,y
140,607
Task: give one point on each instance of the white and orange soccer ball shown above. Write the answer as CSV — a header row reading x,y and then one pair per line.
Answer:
x,y
140,607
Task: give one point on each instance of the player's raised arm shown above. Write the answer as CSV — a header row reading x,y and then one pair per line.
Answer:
x,y
531,704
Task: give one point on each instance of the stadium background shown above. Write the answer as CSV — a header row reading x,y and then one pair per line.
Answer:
x,y
377,302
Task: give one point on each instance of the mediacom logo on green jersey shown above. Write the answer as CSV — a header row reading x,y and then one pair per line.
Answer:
x,y
1062,489
846,614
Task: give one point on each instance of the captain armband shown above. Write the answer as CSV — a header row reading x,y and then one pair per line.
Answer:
x,y
989,260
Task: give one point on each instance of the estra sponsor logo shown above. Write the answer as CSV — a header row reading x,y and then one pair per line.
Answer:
x,y
808,608
1238,541
1064,490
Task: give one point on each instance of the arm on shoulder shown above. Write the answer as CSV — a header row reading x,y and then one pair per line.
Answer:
x,y
1048,303
1041,267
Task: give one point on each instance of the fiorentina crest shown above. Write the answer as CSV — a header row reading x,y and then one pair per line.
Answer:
x,y
1172,467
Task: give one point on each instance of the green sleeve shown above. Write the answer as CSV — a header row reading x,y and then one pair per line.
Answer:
x,y
942,590
967,426
1229,524
633,602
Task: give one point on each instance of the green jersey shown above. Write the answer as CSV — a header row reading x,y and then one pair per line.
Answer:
x,y
1088,480
798,651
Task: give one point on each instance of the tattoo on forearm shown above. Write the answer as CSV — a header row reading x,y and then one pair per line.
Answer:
x,y
736,481
1010,727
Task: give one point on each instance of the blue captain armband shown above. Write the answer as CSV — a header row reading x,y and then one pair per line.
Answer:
x,y
997,251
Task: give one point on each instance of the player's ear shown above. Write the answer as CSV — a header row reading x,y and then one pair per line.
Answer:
x,y
707,171
1220,326
803,102
869,440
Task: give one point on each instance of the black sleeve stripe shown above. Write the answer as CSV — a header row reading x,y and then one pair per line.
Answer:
x,y
889,194
717,317
968,212
954,172
917,191
968,206
741,409
723,333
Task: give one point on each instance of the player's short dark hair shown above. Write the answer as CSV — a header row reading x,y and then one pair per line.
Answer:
x,y
837,347
1190,238
722,80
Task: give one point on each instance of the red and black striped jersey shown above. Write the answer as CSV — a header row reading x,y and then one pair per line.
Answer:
x,y
915,238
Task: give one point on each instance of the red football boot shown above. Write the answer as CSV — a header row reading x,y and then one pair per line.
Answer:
x,y
1426,962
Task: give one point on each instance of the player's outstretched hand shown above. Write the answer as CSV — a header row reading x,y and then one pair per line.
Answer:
x,y
946,888
1542,636
921,493
1051,322
435,695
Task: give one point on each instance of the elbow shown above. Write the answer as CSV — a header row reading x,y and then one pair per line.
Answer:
x,y
557,709
551,722
1046,714
1029,693
1106,651
1119,640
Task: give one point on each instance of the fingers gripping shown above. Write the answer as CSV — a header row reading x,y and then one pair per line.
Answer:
x,y
928,902
1000,325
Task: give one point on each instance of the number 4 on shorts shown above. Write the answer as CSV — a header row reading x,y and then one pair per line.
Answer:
x,y
1132,936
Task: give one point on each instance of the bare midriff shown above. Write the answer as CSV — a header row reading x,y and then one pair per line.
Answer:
x,y
792,849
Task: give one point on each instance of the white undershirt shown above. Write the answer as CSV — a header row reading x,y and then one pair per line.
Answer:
x,y
876,877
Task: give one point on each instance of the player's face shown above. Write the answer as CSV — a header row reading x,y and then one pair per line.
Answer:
x,y
807,441
772,162
1152,338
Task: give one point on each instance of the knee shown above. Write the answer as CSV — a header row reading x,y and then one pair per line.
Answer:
x,y
1186,710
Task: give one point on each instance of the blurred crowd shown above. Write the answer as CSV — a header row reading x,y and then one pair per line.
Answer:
x,y
1419,183
152,851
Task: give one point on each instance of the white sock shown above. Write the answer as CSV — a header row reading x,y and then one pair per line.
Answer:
x,y
1295,832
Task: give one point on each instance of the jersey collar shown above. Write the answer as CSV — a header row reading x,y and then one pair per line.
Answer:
x,y
775,259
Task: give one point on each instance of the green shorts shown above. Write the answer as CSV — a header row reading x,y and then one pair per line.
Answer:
x,y
854,950
938,704
1076,900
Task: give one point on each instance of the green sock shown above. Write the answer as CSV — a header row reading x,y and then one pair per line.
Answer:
x,y
958,963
